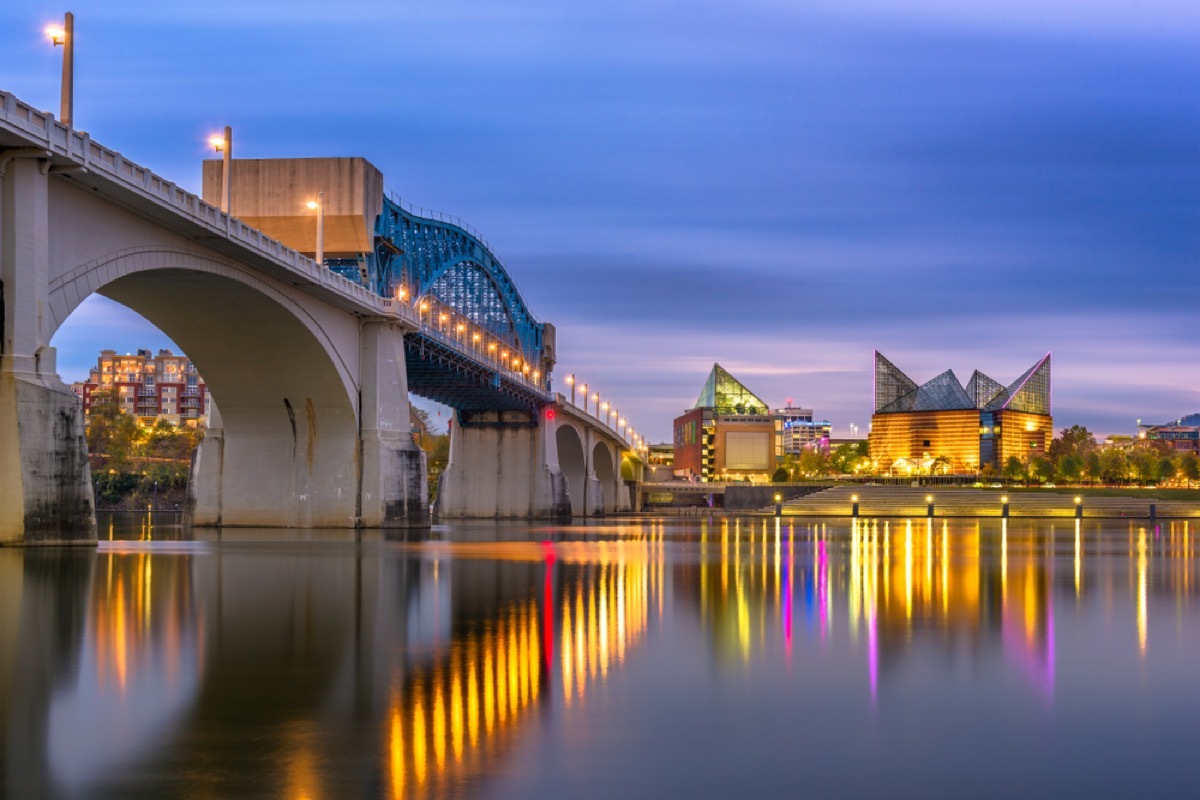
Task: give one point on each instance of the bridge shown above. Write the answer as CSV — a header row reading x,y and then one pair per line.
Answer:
x,y
309,361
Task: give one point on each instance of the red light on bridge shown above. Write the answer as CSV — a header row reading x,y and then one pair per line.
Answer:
x,y
549,413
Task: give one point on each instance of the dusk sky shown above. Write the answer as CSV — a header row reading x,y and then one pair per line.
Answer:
x,y
780,187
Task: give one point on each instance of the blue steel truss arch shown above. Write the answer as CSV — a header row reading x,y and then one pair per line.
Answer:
x,y
417,257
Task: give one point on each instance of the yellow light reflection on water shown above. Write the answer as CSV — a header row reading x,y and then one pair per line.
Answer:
x,y
1141,590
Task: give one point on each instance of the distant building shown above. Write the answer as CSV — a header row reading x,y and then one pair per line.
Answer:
x,y
149,386
728,435
796,431
1183,434
943,426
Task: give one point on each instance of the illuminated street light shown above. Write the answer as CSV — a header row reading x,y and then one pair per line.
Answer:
x,y
65,35
582,391
571,383
595,403
317,205
223,144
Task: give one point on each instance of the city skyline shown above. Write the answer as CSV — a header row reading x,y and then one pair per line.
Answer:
x,y
780,190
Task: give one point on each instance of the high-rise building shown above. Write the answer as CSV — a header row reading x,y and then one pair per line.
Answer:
x,y
149,386
797,431
943,426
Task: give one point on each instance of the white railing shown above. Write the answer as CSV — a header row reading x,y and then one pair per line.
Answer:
x,y
42,130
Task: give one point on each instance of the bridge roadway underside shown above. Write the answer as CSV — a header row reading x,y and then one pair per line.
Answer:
x,y
439,372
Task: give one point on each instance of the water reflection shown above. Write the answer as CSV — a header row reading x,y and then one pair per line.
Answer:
x,y
332,664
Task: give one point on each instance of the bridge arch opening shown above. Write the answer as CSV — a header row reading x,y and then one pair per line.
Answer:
x,y
282,444
605,471
574,468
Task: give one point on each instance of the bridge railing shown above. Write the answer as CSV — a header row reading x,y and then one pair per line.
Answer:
x,y
89,156
441,216
444,324
607,416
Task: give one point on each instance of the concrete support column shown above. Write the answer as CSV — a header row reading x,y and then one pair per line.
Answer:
x,y
207,473
394,488
593,493
45,485
503,464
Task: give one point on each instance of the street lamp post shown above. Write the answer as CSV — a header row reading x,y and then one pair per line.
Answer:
x,y
65,36
319,207
223,144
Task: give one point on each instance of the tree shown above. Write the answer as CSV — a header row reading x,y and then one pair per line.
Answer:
x,y
1189,467
1014,469
1070,467
111,434
1093,466
780,475
845,456
1166,469
940,465
812,462
1041,468
1144,464
1075,440
1114,465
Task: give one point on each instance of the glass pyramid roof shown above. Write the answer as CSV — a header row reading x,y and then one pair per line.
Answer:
x,y
890,383
1029,393
943,393
983,389
895,392
725,394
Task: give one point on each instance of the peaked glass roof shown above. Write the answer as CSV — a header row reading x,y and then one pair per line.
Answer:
x,y
890,383
983,389
895,392
1029,393
725,394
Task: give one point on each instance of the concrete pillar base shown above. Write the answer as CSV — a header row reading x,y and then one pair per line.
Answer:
x,y
395,485
504,466
45,483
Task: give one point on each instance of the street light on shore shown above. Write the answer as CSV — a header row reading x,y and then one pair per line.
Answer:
x,y
65,35
223,144
318,205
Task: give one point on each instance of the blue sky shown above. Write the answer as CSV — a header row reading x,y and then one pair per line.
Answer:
x,y
780,187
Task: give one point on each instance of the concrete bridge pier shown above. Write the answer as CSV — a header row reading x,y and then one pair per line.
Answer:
x,y
45,484
394,488
274,466
503,464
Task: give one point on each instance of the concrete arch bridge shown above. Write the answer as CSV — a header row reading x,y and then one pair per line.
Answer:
x,y
310,363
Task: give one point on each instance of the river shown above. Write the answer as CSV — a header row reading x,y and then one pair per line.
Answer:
x,y
725,657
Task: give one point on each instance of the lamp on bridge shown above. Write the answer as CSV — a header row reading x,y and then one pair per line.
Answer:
x,y
583,391
223,144
65,35
318,205
595,403
571,383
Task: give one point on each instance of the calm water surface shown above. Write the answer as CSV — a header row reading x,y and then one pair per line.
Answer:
x,y
723,658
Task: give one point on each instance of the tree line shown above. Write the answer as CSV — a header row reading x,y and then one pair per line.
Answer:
x,y
135,465
1073,457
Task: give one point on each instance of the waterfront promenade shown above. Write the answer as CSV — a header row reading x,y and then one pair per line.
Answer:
x,y
905,501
